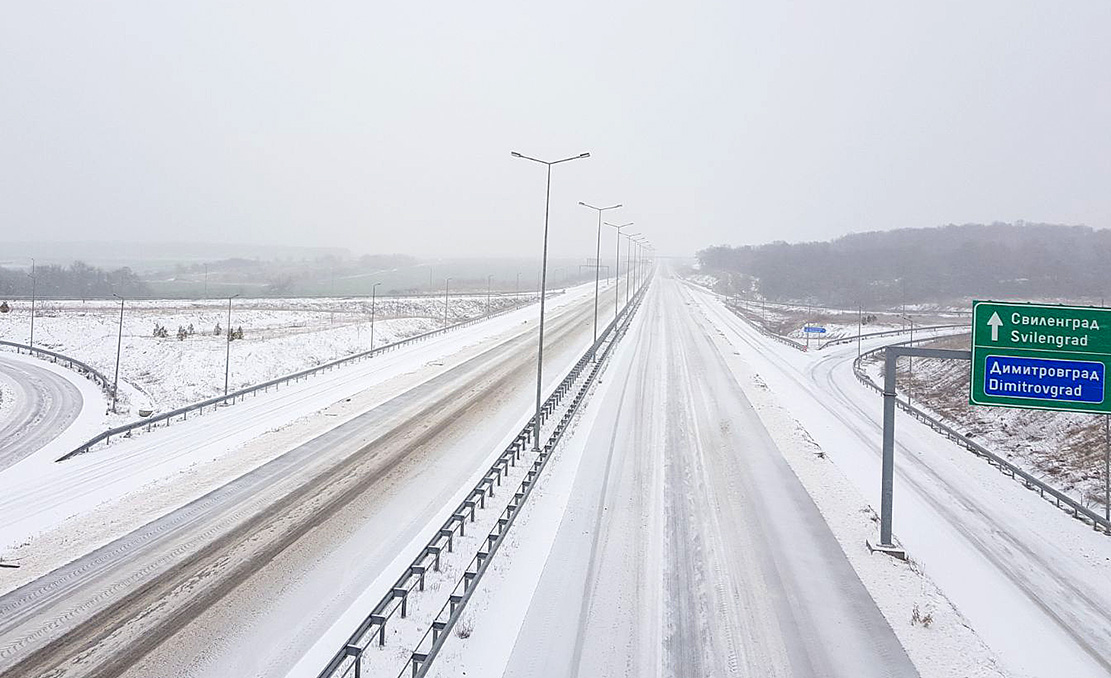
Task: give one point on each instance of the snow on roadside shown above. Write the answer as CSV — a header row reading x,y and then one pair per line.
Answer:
x,y
7,397
941,643
280,336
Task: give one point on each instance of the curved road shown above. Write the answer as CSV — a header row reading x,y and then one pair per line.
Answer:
x,y
1027,576
45,405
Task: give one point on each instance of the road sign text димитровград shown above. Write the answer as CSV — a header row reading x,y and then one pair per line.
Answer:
x,y
1040,357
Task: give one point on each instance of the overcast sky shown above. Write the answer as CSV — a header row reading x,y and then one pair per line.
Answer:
x,y
387,127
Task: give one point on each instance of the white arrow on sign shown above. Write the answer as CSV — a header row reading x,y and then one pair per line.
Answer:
x,y
995,323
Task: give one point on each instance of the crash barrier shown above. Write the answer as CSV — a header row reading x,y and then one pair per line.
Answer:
x,y
1048,492
72,363
182,413
890,333
743,314
348,660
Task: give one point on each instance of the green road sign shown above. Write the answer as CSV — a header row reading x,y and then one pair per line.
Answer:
x,y
1040,357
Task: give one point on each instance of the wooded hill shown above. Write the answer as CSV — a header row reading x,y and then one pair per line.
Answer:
x,y
923,265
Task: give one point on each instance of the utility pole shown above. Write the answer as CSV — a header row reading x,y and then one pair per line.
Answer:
x,y
373,298
859,327
447,288
517,292
488,279
34,280
206,281
119,345
227,356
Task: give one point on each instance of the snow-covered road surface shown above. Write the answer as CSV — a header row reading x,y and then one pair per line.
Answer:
x,y
689,547
340,505
1034,582
44,404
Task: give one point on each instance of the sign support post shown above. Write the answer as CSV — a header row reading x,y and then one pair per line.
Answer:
x,y
891,356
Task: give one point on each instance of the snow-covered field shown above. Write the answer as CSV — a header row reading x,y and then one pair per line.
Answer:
x,y
280,336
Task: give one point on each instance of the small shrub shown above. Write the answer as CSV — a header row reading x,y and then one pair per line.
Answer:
x,y
923,620
464,628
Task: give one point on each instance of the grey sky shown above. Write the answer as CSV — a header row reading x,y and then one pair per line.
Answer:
x,y
387,127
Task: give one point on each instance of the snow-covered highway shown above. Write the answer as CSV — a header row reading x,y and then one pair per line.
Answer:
x,y
690,548
409,429
1033,582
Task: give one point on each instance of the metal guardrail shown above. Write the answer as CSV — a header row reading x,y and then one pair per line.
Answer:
x,y
743,313
347,661
1062,500
888,333
87,371
166,418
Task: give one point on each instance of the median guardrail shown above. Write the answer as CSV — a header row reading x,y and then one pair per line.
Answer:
x,y
182,413
348,660
1048,492
81,368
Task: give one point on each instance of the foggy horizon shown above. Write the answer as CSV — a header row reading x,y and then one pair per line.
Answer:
x,y
362,127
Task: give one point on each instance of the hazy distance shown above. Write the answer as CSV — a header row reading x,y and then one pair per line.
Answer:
x,y
383,128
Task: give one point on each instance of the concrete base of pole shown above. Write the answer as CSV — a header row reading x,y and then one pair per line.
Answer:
x,y
893,550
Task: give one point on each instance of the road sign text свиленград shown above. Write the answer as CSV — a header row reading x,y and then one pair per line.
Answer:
x,y
1040,357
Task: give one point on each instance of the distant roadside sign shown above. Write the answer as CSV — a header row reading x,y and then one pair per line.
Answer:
x,y
1042,357
814,330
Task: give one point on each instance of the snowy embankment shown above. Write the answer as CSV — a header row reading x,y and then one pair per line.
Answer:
x,y
1064,449
280,336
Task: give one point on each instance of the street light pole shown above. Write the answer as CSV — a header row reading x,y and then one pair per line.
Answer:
x,y
517,292
617,268
597,263
227,356
373,299
488,279
629,265
119,344
543,284
447,289
34,280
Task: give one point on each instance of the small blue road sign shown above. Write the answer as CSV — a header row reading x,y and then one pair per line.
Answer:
x,y
814,330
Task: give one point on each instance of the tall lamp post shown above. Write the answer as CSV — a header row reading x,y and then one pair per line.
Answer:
x,y
617,268
119,345
373,299
489,278
447,289
543,283
227,354
597,262
629,266
638,272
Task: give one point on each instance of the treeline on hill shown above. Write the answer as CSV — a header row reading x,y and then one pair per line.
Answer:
x,y
76,281
919,265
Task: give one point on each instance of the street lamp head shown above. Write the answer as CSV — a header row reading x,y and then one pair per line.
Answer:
x,y
515,154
